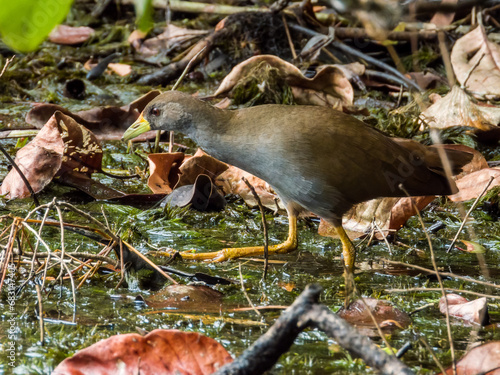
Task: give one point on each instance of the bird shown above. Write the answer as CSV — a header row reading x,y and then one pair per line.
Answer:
x,y
316,159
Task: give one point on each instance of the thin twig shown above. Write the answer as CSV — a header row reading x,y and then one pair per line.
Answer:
x,y
444,274
264,226
287,31
7,62
79,255
40,312
424,289
245,292
383,236
445,54
63,246
438,276
431,352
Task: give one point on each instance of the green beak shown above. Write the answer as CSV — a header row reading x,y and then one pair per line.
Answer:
x,y
141,125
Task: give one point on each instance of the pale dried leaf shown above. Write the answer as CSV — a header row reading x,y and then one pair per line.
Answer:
x,y
475,311
456,109
475,51
444,19
470,186
329,86
64,34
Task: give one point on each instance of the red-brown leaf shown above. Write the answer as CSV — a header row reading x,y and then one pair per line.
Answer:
x,y
166,352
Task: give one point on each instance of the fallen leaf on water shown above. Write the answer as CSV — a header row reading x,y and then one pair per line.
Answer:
x,y
385,314
199,163
70,35
482,359
472,247
167,352
107,123
202,195
474,52
164,171
470,311
287,286
192,298
61,147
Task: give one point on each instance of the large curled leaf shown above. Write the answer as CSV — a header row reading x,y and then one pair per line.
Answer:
x,y
24,24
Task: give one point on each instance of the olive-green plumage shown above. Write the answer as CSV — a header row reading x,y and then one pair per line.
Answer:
x,y
314,157
317,159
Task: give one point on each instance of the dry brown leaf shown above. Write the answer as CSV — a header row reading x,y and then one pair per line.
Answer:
x,y
199,163
426,80
173,37
121,69
161,351
64,34
477,163
444,19
482,359
470,311
164,171
39,161
107,123
457,108
357,314
470,186
62,146
231,182
136,38
329,86
475,52
390,214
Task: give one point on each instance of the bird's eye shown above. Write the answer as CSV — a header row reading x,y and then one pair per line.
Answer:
x,y
155,111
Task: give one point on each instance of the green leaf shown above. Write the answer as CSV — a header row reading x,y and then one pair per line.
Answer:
x,y
144,14
472,247
24,24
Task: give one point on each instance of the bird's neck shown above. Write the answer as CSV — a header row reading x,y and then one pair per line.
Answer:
x,y
212,131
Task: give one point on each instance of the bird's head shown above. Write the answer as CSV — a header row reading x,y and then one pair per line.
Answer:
x,y
168,111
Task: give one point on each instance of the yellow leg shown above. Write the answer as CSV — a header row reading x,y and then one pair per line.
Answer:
x,y
237,252
348,249
349,252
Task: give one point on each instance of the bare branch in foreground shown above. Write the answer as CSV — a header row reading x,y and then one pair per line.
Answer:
x,y
304,313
